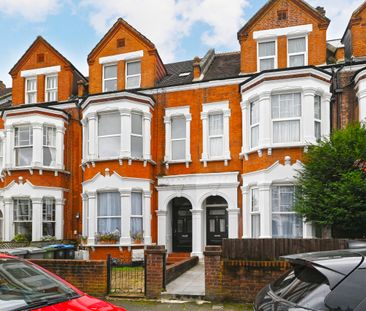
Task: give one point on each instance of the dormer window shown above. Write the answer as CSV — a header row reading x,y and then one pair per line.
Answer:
x,y
51,88
31,90
297,52
267,55
109,77
133,74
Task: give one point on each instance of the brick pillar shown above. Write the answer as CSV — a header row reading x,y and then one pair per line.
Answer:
x,y
213,272
155,270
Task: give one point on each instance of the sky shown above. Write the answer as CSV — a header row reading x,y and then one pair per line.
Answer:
x,y
180,29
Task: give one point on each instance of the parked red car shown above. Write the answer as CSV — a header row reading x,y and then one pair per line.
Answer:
x,y
26,286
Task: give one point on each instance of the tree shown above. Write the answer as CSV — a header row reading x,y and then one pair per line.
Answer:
x,y
332,184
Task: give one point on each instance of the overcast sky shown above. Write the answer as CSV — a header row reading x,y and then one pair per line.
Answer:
x,y
180,29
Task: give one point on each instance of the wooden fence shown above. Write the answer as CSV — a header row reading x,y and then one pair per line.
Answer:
x,y
272,249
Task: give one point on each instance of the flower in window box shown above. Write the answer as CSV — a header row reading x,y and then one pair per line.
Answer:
x,y
19,237
137,237
48,238
107,238
83,240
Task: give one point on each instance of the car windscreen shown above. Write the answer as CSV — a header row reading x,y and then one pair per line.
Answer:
x,y
23,285
301,285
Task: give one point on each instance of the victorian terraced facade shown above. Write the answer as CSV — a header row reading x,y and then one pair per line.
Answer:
x,y
183,154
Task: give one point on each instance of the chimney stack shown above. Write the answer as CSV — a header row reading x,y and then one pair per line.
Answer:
x,y
196,68
81,88
2,85
321,10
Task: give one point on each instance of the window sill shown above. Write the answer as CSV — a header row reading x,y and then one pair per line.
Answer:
x,y
186,162
31,169
114,245
129,160
221,159
269,148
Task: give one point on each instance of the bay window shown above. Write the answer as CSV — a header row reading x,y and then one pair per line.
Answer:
x,y
216,135
317,117
254,124
136,215
267,55
136,135
23,217
23,145
31,90
49,146
109,212
285,222
255,214
286,115
51,88
297,52
48,217
109,135
178,138
109,77
133,74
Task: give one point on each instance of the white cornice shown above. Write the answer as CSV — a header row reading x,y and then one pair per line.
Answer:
x,y
119,57
40,71
33,110
286,31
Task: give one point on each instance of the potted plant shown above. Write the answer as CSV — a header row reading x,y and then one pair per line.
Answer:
x,y
137,237
107,238
48,238
19,237
83,240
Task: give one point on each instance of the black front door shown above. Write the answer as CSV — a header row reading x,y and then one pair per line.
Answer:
x,y
217,225
182,225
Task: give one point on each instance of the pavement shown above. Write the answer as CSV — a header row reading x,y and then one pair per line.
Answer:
x,y
190,283
178,305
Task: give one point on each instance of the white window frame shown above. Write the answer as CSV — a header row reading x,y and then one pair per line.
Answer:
x,y
134,112
254,213
47,145
120,217
253,125
316,120
132,76
109,79
17,147
34,92
215,136
275,57
15,212
274,120
178,139
142,211
46,220
305,53
2,154
49,91
107,136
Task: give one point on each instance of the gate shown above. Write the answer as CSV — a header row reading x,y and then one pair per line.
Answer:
x,y
125,279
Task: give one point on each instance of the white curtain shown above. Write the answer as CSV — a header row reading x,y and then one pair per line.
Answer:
x,y
136,136
297,45
317,107
109,131
254,119
286,131
266,64
286,106
136,213
216,129
109,212
297,60
110,78
267,49
133,75
254,138
256,229
178,130
49,146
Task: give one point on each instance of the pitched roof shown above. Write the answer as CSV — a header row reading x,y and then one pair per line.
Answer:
x,y
358,10
269,3
38,40
5,92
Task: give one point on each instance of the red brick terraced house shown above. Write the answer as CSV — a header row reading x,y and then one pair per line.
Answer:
x,y
182,154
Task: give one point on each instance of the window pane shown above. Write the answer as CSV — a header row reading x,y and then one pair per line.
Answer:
x,y
109,204
107,225
286,226
267,49
109,146
297,45
32,98
136,147
49,136
267,64
317,107
254,113
222,225
48,228
215,124
256,226
51,82
317,130
109,124
136,225
23,156
32,84
178,127
133,82
110,85
22,210
216,146
136,203
136,120
178,149
283,198
286,131
49,156
255,202
110,72
48,209
297,60
254,137
133,68
286,106
23,136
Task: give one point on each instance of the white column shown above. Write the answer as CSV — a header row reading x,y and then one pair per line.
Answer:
x,y
162,238
265,210
147,136
85,214
60,133
197,232
325,114
204,117
126,216
37,219
85,148
59,232
307,230
168,128
8,219
9,147
265,120
233,215
92,205
147,217
308,116
244,127
125,133
37,158
93,136
246,212
227,114
361,95
188,137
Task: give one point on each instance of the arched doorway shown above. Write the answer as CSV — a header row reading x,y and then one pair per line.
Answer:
x,y
1,226
216,220
181,225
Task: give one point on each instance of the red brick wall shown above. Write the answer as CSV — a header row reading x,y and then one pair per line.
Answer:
x,y
155,269
88,276
358,29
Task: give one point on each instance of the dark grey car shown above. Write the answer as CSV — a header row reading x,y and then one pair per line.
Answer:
x,y
334,280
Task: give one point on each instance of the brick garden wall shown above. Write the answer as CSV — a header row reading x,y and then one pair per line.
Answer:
x,y
88,276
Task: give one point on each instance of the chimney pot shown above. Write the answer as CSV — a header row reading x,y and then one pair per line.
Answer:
x,y
196,68
2,85
81,88
321,10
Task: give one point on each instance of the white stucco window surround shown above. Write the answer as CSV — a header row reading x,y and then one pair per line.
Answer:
x,y
122,189
36,196
284,104
265,182
177,135
196,188
215,132
360,81
42,134
127,131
